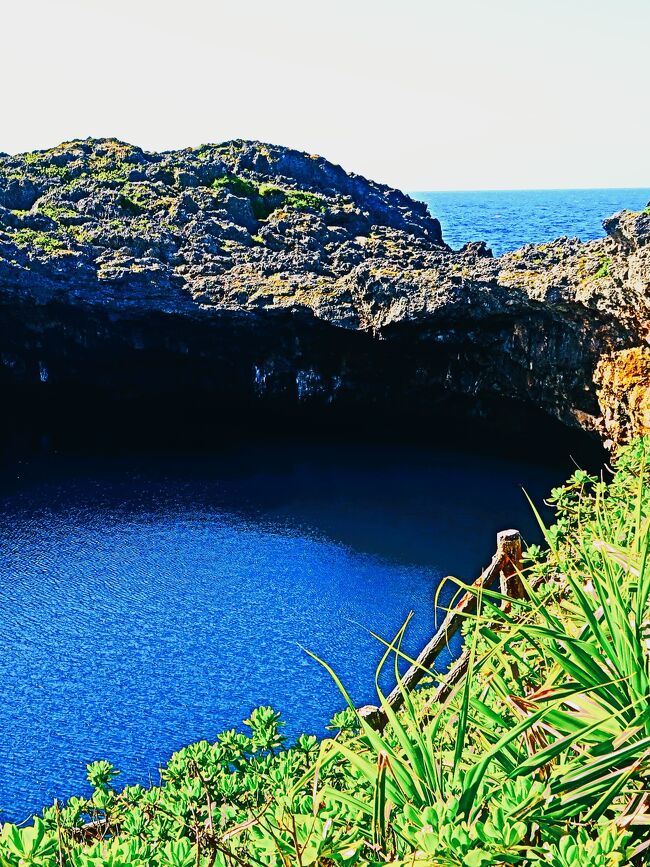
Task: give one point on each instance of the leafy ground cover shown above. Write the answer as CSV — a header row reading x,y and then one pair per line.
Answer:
x,y
539,756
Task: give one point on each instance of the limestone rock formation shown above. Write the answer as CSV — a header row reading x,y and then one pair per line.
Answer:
x,y
245,273
623,381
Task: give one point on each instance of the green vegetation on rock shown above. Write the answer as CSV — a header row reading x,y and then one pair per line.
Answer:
x,y
300,201
42,241
540,755
297,200
236,185
266,198
603,271
57,212
131,206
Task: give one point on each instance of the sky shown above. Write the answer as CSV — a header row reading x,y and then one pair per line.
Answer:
x,y
420,94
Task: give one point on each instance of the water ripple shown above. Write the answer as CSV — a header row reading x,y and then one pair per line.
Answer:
x,y
144,604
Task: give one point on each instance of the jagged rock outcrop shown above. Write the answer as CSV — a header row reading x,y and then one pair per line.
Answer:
x,y
248,274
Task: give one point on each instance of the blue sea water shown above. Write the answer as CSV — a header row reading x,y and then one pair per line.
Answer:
x,y
508,219
149,602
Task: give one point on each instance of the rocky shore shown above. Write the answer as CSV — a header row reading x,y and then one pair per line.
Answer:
x,y
249,275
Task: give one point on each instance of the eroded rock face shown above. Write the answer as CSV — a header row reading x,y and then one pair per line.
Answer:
x,y
623,380
246,273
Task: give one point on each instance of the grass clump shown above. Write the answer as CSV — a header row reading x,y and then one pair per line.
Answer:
x,y
57,212
236,185
297,200
539,756
40,163
300,201
603,271
38,240
266,198
141,196
109,168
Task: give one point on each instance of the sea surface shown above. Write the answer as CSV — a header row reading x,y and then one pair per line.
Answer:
x,y
147,601
508,219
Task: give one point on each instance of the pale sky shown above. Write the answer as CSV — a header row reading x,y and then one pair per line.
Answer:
x,y
421,94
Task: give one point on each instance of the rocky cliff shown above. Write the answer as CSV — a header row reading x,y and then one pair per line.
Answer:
x,y
246,275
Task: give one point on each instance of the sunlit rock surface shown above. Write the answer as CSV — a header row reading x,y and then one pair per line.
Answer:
x,y
248,274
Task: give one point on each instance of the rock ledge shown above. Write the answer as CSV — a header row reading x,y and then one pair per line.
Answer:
x,y
248,272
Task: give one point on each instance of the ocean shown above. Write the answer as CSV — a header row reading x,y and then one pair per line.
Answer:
x,y
508,219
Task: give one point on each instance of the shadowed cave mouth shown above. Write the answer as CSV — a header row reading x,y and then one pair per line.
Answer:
x,y
80,377
84,419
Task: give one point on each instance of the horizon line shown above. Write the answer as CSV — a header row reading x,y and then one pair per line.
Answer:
x,y
412,192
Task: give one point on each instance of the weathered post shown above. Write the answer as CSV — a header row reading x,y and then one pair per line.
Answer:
x,y
505,566
509,546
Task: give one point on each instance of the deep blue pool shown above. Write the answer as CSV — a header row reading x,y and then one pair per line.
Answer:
x,y
149,602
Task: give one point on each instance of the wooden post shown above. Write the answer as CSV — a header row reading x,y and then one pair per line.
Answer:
x,y
509,544
504,566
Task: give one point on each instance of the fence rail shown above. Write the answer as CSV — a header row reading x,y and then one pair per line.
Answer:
x,y
505,567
